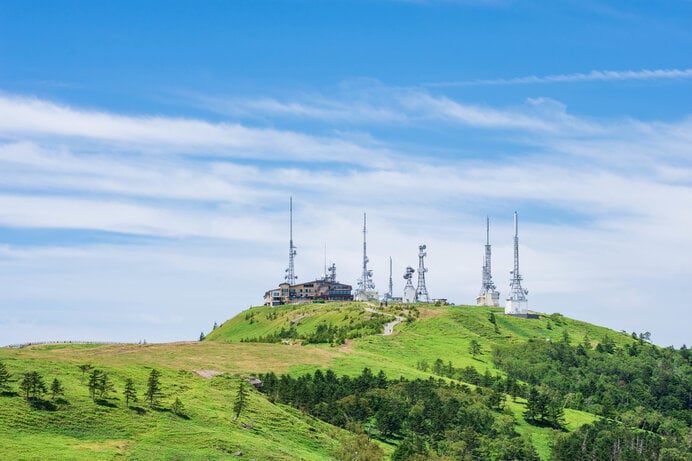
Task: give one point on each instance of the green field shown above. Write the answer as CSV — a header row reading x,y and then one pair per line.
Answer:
x,y
78,428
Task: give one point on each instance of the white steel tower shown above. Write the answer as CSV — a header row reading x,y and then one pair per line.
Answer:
x,y
409,291
390,294
290,272
517,304
422,290
366,287
488,296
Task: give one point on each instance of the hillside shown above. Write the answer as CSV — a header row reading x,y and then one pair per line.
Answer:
x,y
344,338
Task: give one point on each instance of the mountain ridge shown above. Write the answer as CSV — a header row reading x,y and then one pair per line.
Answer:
x,y
346,338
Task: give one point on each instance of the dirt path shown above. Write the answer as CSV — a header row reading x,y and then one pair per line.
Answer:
x,y
388,327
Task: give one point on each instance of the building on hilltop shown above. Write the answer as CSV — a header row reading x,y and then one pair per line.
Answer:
x,y
291,292
324,289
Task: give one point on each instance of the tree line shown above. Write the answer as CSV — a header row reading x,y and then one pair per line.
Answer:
x,y
99,385
325,333
428,419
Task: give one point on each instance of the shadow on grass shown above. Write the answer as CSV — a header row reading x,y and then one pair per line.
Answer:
x,y
540,423
8,394
168,410
40,404
138,410
105,403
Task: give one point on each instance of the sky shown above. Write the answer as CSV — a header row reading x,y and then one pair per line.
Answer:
x,y
148,151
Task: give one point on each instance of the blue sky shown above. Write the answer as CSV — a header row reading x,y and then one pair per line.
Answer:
x,y
148,150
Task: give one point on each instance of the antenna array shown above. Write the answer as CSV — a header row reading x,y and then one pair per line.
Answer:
x,y
516,302
422,290
291,277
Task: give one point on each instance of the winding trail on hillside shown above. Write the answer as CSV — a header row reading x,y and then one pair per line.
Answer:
x,y
388,327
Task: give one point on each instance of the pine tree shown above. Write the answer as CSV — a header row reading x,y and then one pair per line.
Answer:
x,y
105,386
129,392
94,382
5,378
474,348
178,408
240,398
153,393
32,385
56,388
85,368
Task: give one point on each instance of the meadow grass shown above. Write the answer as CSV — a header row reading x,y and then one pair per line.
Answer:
x,y
79,428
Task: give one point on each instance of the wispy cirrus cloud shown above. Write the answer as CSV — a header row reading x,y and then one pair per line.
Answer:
x,y
593,76
615,186
22,118
373,104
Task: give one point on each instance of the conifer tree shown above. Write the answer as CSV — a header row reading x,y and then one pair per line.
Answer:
x,y
5,378
129,392
178,408
56,388
240,399
474,348
84,368
94,382
32,385
105,386
153,393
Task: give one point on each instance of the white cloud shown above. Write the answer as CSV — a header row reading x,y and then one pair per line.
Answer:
x,y
593,76
615,230
22,117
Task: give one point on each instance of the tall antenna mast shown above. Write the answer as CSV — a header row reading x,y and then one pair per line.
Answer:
x,y
488,296
422,290
290,272
390,293
517,302
365,283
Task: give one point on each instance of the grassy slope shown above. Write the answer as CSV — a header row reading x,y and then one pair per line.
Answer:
x,y
82,427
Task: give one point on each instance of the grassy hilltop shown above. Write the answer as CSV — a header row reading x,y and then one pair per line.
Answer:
x,y
342,337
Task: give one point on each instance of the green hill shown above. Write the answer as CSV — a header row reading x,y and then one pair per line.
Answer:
x,y
430,341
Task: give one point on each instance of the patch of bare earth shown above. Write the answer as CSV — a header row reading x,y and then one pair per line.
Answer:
x,y
208,374
428,313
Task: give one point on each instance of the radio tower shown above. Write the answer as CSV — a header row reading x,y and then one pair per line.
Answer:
x,y
409,291
390,293
290,272
517,303
366,287
488,296
421,290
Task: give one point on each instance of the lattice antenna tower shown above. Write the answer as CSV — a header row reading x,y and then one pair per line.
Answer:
x,y
332,273
517,294
422,290
365,282
488,285
291,277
